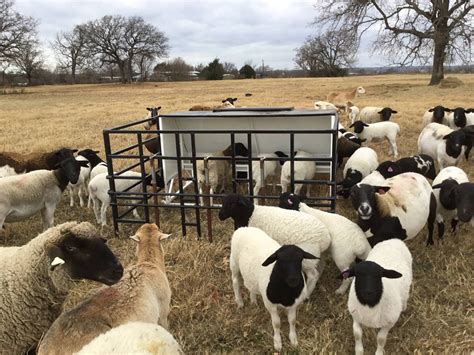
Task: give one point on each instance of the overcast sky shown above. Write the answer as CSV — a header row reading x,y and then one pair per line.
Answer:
x,y
235,31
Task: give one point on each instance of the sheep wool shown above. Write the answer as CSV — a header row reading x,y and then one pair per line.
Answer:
x,y
134,338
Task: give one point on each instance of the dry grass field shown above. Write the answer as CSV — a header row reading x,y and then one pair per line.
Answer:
x,y
204,316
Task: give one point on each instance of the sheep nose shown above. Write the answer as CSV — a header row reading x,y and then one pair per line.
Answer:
x,y
364,209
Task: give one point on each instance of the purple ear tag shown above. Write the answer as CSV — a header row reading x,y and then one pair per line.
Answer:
x,y
390,170
345,274
290,202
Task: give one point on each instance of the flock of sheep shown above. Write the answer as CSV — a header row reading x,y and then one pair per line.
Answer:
x,y
275,251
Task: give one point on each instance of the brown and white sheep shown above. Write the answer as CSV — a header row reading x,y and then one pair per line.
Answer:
x,y
342,99
142,295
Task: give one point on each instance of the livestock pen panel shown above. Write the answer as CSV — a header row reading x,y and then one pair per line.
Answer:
x,y
189,137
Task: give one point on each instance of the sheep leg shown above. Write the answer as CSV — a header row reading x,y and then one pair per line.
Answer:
x,y
276,325
95,205
312,276
256,190
236,284
135,213
357,330
431,219
48,215
291,322
345,282
89,201
163,314
71,195
394,149
454,223
440,222
103,213
81,193
381,339
253,298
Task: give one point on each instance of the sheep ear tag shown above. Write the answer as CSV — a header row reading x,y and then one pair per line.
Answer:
x,y
390,170
290,202
57,261
345,273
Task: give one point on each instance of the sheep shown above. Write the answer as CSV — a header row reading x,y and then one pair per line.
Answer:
x,y
303,170
15,164
219,170
142,294
324,105
252,251
399,208
152,140
341,99
354,113
98,166
435,114
286,227
444,144
460,118
350,136
80,186
379,130
345,149
22,196
348,241
380,291
422,164
449,195
264,168
99,191
37,277
133,338
358,166
226,103
371,114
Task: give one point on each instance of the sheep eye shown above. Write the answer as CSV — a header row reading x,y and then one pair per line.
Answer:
x,y
70,248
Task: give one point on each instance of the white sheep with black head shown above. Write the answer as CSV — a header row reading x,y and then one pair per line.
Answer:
x,y
399,208
371,114
271,270
380,291
378,131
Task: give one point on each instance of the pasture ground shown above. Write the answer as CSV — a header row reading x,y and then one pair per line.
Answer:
x,y
204,316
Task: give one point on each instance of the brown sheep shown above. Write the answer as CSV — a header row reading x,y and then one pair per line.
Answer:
x,y
152,140
342,99
143,294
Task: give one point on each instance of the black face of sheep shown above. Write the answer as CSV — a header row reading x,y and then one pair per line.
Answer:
x,y
230,100
71,168
280,154
85,258
465,202
287,268
447,194
368,281
352,178
438,113
389,169
237,207
363,199
289,201
454,143
386,113
358,126
241,149
159,180
459,117
64,153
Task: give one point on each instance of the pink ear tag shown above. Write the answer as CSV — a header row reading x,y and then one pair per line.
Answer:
x,y
345,274
381,191
390,170
290,202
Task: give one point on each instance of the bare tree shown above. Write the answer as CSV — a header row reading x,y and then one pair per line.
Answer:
x,y
28,59
70,50
230,68
176,69
328,54
119,40
15,30
410,31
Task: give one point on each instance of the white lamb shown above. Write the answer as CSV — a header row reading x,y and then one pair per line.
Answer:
x,y
324,105
264,168
379,130
358,166
353,113
99,192
286,227
134,338
372,114
252,253
443,144
380,291
303,170
80,186
348,241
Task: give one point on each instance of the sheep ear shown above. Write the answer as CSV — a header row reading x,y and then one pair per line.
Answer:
x,y
447,136
447,109
394,111
235,99
365,124
381,189
437,186
391,274
158,108
271,259
83,163
224,101
135,238
431,110
74,150
352,125
346,274
148,108
164,236
96,151
380,112
307,255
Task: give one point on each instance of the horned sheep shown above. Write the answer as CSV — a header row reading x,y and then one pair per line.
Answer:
x,y
37,277
143,294
252,252
380,291
348,241
286,227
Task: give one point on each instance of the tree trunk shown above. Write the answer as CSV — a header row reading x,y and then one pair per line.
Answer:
x,y
73,72
130,70
121,66
437,71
